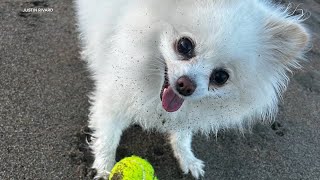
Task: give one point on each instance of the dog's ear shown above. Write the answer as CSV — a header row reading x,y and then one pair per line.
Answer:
x,y
285,39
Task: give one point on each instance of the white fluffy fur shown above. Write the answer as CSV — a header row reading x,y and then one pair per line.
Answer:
x,y
127,43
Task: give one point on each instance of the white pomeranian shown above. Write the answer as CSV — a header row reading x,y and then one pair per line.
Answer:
x,y
184,66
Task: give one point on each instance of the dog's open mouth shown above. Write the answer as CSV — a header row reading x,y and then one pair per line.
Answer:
x,y
171,102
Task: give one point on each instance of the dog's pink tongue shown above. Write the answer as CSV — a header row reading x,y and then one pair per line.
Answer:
x,y
170,101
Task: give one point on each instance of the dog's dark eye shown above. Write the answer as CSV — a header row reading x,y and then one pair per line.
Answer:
x,y
219,77
185,47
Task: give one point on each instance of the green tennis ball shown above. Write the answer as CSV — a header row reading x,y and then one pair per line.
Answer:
x,y
132,168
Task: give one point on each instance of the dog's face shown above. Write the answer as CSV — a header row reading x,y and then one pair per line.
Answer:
x,y
231,50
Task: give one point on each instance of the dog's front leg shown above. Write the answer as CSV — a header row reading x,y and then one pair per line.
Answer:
x,y
181,145
106,138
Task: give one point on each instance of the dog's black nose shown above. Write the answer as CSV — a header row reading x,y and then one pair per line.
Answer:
x,y
185,86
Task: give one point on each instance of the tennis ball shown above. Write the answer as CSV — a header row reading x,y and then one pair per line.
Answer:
x,y
132,168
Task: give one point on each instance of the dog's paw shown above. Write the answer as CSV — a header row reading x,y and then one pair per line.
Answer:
x,y
103,169
193,165
101,175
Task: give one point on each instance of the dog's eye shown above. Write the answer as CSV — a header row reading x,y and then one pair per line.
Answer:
x,y
219,77
185,47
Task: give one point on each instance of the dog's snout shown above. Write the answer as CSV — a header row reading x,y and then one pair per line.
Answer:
x,y
185,86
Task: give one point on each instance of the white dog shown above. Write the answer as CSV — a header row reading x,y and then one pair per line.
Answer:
x,y
215,64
